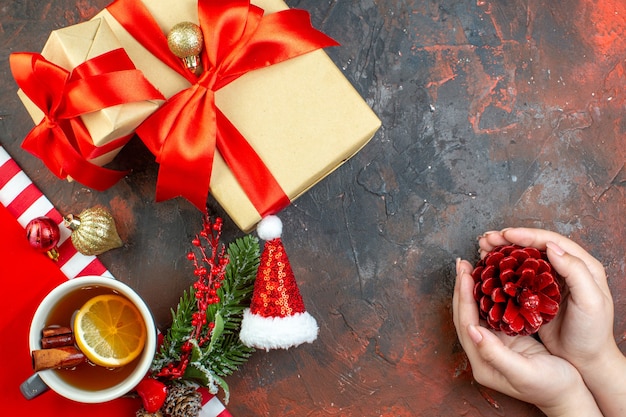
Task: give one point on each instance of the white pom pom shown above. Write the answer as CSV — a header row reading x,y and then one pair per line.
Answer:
x,y
269,228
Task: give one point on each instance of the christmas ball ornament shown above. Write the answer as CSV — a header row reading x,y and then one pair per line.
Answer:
x,y
43,234
276,317
517,289
93,231
186,41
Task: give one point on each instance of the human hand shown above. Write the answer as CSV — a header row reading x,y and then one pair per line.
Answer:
x,y
518,366
582,331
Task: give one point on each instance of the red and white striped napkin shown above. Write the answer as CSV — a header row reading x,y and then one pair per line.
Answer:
x,y
21,197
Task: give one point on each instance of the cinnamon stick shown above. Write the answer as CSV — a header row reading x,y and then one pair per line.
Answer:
x,y
54,358
55,330
57,341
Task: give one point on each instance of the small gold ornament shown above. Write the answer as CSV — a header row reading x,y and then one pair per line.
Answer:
x,y
93,231
185,40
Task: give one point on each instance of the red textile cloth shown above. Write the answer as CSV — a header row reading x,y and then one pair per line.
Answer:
x,y
27,276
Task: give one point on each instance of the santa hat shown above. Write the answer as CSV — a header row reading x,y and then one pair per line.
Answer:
x,y
276,317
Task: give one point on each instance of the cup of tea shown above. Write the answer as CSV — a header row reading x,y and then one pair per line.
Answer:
x,y
79,379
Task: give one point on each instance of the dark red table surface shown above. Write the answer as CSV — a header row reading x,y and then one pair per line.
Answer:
x,y
495,113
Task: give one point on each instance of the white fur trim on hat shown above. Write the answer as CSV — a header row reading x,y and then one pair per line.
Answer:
x,y
277,332
270,227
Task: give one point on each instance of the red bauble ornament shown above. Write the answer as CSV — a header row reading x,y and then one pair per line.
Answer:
x,y
517,289
43,235
153,394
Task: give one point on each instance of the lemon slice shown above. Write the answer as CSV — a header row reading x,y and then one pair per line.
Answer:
x,y
109,330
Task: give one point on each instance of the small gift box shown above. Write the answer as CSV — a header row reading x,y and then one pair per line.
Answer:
x,y
93,76
299,116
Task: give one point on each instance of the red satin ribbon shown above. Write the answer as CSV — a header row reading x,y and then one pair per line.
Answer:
x,y
63,96
187,130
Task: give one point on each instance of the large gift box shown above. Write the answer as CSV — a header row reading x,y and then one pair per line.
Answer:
x,y
92,56
301,116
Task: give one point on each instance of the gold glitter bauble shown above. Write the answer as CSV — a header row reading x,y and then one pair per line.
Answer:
x,y
185,40
93,231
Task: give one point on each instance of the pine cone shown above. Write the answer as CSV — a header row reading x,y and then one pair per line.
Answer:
x,y
143,413
517,289
182,401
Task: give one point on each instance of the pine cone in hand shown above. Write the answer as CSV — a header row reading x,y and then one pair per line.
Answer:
x,y
182,401
517,289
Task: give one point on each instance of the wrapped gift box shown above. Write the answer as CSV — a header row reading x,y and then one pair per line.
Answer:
x,y
110,128
302,116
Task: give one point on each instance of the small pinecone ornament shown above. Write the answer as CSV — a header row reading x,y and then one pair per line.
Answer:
x,y
143,413
182,401
517,289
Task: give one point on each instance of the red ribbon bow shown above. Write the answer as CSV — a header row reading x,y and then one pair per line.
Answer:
x,y
63,96
185,132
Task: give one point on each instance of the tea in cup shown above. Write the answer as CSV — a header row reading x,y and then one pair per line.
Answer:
x,y
78,370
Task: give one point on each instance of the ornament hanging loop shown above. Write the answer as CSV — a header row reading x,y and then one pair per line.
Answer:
x,y
71,222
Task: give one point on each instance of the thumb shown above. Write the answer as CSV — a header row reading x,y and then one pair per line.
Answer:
x,y
491,350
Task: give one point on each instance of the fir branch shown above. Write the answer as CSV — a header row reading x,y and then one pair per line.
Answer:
x,y
224,352
228,353
178,332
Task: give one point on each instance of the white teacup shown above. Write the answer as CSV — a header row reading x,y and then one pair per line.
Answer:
x,y
52,379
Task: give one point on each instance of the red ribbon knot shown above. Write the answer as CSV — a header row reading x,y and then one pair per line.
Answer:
x,y
49,122
63,96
